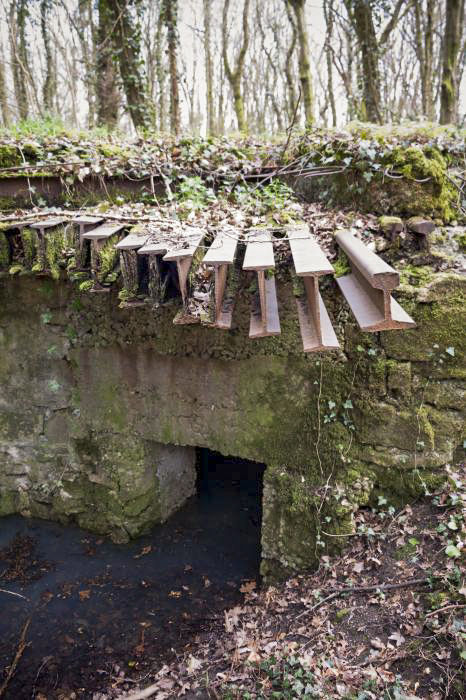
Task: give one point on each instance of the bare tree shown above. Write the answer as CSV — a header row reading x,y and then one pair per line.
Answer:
x,y
4,103
454,22
49,86
108,96
126,36
290,83
328,14
304,66
361,14
18,53
424,40
209,70
170,17
235,75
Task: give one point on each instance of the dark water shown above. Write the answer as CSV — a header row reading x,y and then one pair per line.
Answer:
x,y
96,606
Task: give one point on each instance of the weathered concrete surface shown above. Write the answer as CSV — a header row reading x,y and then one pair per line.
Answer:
x,y
100,409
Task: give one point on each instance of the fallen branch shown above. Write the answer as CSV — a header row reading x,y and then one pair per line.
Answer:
x,y
18,595
19,652
441,610
142,694
365,589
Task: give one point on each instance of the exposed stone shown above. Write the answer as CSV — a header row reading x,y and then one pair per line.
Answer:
x,y
399,378
391,226
420,225
446,394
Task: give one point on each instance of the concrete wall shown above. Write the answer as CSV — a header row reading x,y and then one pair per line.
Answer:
x,y
100,409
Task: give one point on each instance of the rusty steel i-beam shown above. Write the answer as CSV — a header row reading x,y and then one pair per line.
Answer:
x,y
367,288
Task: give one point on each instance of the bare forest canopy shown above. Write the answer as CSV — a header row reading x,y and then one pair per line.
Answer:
x,y
216,66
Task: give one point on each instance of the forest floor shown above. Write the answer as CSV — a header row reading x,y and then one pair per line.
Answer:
x,y
383,620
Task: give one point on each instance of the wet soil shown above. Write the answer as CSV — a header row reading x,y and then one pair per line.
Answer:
x,y
97,609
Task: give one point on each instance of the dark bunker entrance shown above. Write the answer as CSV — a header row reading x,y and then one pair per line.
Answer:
x,y
99,610
229,490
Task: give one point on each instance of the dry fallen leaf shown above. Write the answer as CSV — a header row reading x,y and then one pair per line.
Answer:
x,y
254,657
193,664
143,552
377,644
85,595
248,587
398,638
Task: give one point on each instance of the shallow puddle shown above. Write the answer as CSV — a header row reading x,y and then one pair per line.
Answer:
x,y
94,606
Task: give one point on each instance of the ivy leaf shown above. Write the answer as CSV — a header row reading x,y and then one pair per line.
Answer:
x,y
452,551
348,404
331,404
450,351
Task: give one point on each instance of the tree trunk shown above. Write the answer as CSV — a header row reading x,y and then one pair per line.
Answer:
x,y
368,46
108,97
17,21
209,67
4,106
270,91
454,20
428,97
127,47
235,76
328,13
170,16
289,64
159,70
49,86
221,107
424,31
304,66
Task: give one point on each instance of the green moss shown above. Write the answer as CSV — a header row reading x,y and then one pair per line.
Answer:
x,y
129,269
460,238
341,265
111,150
440,322
424,187
8,502
407,551
29,241
438,599
341,614
85,286
9,156
417,276
386,223
426,425
4,251
108,258
55,244
8,203
417,163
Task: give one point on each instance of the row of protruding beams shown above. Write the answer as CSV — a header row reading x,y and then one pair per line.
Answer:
x,y
367,289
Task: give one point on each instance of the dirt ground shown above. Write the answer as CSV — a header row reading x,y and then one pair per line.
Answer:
x,y
385,620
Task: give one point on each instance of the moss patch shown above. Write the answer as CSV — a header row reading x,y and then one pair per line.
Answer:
x,y
4,251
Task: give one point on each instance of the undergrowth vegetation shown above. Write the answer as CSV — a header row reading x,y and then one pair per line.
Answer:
x,y
415,169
